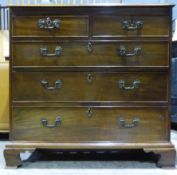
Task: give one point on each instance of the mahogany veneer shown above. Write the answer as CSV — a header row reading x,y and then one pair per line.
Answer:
x,y
90,78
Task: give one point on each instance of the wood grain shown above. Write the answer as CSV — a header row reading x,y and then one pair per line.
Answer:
x,y
104,86
101,26
70,25
101,23
103,54
76,126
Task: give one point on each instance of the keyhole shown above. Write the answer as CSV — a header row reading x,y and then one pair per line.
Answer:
x,y
49,22
89,112
89,78
89,47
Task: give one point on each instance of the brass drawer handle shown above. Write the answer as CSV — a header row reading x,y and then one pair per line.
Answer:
x,y
135,85
134,123
123,52
49,24
44,52
45,83
132,24
57,122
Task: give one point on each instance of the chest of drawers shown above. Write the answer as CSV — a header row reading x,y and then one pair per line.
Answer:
x,y
90,78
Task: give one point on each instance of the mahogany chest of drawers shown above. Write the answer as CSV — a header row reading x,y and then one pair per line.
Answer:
x,y
90,78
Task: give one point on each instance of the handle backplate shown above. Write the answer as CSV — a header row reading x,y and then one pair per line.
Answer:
x,y
49,24
132,24
44,52
46,124
124,53
135,85
45,83
134,123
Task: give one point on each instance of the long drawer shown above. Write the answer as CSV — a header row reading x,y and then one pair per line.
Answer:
x,y
89,86
50,26
90,53
85,124
130,25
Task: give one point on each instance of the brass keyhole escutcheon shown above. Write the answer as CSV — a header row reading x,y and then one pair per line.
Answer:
x,y
89,47
89,78
89,113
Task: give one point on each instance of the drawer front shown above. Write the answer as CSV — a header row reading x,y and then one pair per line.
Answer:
x,y
89,86
130,25
50,26
82,124
90,54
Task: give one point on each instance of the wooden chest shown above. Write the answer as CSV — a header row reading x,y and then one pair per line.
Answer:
x,y
90,78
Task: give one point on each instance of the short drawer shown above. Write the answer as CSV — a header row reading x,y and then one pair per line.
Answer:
x,y
90,54
88,124
130,25
50,26
89,86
